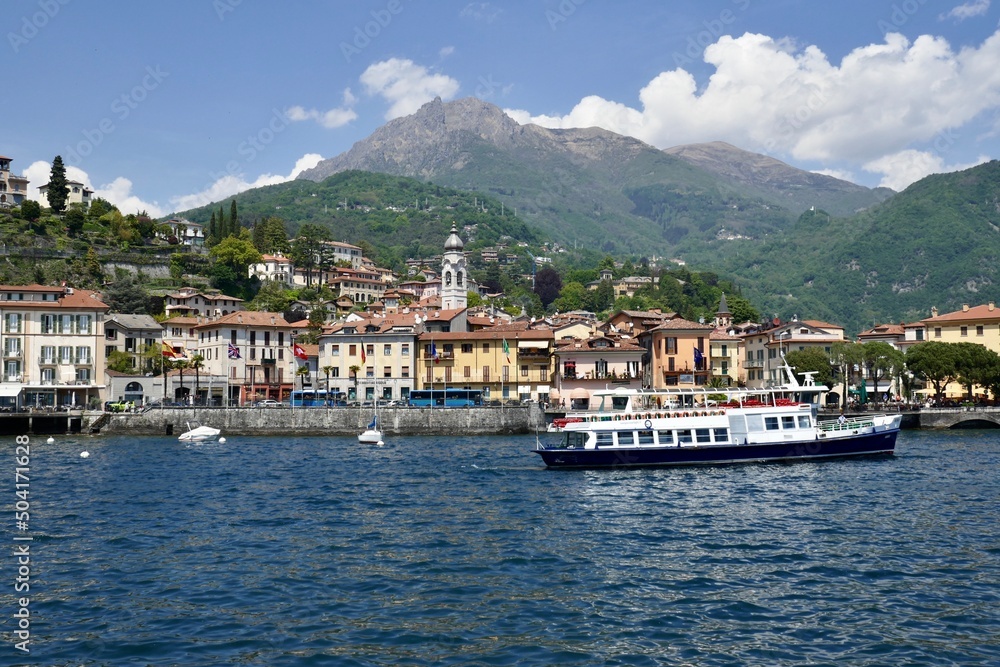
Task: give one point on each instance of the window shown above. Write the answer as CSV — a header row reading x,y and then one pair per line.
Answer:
x,y
468,371
979,330
387,371
406,371
12,323
626,438
605,439
369,371
447,373
725,351
109,334
788,422
466,348
370,350
352,350
721,434
405,351
335,372
524,370
703,435
670,364
920,334
937,332
684,437
645,437
671,345
771,423
334,350
804,421
665,437
48,323
449,350
267,338
506,374
486,373
65,354
387,350
49,354
253,337
964,331
486,347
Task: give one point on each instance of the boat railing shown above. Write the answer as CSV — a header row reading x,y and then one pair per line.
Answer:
x,y
846,425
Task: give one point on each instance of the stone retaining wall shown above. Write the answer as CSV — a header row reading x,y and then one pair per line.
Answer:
x,y
332,421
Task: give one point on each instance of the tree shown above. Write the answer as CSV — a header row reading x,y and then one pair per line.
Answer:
x,y
573,296
74,219
605,297
811,359
234,219
197,362
845,355
126,295
303,372
881,359
305,249
547,285
934,362
58,191
973,364
31,210
354,375
327,370
742,310
120,362
238,253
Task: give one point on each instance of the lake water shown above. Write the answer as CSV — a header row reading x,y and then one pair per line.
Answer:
x,y
466,551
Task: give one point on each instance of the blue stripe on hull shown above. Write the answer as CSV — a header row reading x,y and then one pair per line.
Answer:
x,y
869,444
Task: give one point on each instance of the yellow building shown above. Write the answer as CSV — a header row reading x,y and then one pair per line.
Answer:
x,y
971,324
478,360
679,354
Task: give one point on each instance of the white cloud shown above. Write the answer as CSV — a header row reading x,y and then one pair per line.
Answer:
x,y
842,174
764,95
967,10
405,85
446,51
118,191
331,119
901,169
481,11
232,184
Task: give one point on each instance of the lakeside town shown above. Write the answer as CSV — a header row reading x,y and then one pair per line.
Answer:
x,y
387,338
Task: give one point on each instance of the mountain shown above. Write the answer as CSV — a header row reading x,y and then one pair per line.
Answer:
x,y
794,188
399,217
937,243
583,186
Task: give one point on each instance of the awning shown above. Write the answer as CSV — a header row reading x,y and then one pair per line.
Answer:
x,y
10,389
532,344
554,394
524,389
543,389
579,393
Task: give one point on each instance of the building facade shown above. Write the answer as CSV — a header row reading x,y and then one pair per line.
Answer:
x,y
13,188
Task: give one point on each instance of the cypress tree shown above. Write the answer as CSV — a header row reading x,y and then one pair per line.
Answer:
x,y
58,190
213,232
234,219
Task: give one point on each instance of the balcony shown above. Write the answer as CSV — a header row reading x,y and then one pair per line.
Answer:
x,y
83,361
47,361
748,363
12,354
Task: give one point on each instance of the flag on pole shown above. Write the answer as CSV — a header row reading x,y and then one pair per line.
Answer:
x,y
506,350
698,357
298,352
234,352
363,356
434,353
167,351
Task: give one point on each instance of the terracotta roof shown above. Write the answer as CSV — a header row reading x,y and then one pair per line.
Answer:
x,y
723,335
884,330
588,345
820,324
680,324
79,299
249,318
983,312
488,334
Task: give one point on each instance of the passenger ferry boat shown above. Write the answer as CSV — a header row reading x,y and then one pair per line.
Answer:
x,y
634,427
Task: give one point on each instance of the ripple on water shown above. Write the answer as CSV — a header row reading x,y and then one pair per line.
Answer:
x,y
464,551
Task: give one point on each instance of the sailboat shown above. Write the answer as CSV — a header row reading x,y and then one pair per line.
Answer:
x,y
372,434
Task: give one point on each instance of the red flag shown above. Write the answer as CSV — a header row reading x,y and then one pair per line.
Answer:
x,y
363,357
299,352
168,351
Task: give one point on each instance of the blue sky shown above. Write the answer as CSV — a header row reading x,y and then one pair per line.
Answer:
x,y
165,106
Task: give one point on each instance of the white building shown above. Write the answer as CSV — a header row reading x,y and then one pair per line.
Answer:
x,y
13,188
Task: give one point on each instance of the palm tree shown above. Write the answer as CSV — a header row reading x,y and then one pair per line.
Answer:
x,y
197,362
303,372
328,370
354,374
180,365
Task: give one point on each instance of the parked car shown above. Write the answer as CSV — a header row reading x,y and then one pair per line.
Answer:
x,y
268,403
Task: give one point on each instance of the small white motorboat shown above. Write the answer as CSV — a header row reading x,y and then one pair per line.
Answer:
x,y
199,433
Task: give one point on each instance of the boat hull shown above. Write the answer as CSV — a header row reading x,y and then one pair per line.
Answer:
x,y
867,444
372,437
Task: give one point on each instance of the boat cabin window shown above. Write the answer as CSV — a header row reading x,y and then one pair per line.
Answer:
x,y
804,422
684,436
626,438
619,402
771,423
721,434
574,439
605,439
788,422
665,437
703,434
645,437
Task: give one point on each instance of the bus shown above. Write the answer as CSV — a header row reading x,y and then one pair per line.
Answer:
x,y
317,398
447,398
